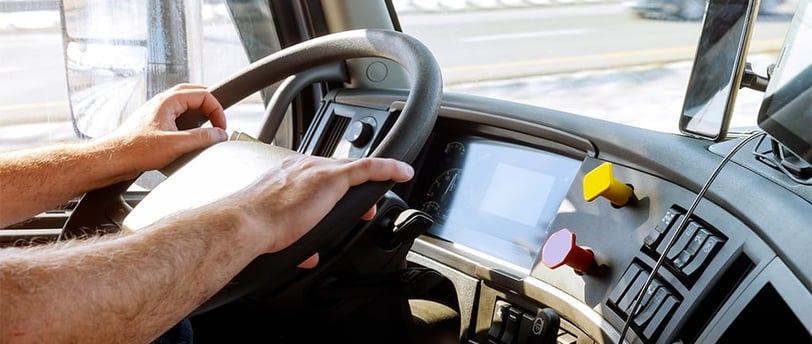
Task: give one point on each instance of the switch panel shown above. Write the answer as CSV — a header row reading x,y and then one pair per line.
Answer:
x,y
692,251
514,325
658,303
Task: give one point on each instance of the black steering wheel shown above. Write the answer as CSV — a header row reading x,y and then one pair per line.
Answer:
x,y
249,159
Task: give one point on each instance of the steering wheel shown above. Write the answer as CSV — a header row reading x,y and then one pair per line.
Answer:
x,y
239,163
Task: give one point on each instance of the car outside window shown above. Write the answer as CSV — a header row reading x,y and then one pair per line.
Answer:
x,y
622,61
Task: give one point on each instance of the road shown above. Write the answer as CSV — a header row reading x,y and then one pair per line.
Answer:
x,y
508,43
551,40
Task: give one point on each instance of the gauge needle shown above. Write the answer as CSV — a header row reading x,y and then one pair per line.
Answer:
x,y
451,185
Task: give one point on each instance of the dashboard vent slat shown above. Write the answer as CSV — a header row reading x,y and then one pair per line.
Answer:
x,y
335,131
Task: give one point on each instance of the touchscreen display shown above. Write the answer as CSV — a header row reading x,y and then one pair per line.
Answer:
x,y
497,198
786,112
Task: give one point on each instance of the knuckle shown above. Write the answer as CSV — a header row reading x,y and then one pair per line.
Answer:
x,y
291,162
309,163
365,164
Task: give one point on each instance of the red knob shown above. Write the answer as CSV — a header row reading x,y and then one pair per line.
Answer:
x,y
560,249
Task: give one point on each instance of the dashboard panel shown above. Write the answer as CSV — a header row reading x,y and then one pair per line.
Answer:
x,y
739,256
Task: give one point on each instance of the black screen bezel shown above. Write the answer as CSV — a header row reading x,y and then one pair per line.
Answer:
x,y
768,119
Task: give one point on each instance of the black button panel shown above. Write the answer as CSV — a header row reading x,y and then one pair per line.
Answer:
x,y
513,325
659,301
693,249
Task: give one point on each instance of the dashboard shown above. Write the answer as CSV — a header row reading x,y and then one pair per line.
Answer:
x,y
499,178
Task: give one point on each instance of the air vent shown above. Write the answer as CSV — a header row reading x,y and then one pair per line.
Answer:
x,y
333,134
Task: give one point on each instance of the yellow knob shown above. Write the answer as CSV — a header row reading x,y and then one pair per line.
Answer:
x,y
601,182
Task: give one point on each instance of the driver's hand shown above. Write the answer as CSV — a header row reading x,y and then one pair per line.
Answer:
x,y
150,136
293,198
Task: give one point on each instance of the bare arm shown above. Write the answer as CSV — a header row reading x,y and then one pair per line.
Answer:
x,y
117,289
138,285
35,180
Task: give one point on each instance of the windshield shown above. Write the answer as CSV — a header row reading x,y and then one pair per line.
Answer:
x,y
622,61
75,69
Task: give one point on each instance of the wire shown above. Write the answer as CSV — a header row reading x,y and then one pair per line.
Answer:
x,y
773,160
682,224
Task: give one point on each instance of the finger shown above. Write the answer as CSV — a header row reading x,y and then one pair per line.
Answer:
x,y
377,169
193,139
370,214
212,109
199,99
186,86
310,262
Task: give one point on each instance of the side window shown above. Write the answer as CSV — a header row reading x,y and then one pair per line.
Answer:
x,y
75,69
33,93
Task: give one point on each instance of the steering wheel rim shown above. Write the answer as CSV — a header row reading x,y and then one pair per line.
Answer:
x,y
404,140
420,64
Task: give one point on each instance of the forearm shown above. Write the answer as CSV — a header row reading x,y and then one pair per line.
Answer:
x,y
129,288
35,180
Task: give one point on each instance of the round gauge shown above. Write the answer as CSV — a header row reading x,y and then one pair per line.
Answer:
x,y
440,193
432,208
443,186
454,149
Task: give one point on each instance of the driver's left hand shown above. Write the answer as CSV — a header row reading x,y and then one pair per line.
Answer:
x,y
149,138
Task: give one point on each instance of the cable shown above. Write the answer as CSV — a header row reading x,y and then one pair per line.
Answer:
x,y
682,224
773,160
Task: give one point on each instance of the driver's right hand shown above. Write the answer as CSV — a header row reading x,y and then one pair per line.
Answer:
x,y
286,202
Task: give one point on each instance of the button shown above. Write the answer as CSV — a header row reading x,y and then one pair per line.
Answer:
x,y
648,310
663,313
601,182
697,241
546,327
511,327
360,132
560,249
628,277
683,240
499,318
677,219
652,238
650,291
661,228
683,258
631,294
667,220
525,328
701,258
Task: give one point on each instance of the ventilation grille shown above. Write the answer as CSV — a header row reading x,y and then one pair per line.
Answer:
x,y
332,135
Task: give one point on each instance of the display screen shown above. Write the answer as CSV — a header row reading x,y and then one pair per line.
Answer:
x,y
496,198
717,69
786,112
